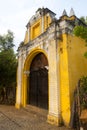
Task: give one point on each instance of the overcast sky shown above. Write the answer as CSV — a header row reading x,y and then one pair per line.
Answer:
x,y
15,14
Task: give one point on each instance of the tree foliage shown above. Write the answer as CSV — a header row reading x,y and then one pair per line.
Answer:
x,y
8,66
81,31
6,41
8,62
84,19
83,92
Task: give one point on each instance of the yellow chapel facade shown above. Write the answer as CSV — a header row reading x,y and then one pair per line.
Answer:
x,y
50,63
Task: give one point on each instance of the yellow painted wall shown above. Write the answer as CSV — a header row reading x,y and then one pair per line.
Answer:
x,y
26,37
72,67
64,80
77,63
47,21
68,18
36,28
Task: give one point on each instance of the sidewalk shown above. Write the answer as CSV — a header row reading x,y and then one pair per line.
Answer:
x,y
29,118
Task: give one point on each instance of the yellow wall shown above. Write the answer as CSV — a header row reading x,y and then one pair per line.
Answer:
x,y
65,17
77,63
47,21
26,37
36,28
64,80
72,67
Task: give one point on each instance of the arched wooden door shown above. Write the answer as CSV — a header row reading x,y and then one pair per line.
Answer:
x,y
38,81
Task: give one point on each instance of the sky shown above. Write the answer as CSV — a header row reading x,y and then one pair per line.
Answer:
x,y
15,14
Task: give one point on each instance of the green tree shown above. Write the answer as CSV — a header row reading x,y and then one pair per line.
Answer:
x,y
83,92
81,31
6,41
8,65
84,19
8,61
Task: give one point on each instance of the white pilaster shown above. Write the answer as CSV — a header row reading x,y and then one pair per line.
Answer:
x,y
19,83
53,116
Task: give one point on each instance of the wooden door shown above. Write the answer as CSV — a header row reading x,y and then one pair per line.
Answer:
x,y
38,86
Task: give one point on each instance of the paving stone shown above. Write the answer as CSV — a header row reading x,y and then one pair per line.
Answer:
x,y
30,118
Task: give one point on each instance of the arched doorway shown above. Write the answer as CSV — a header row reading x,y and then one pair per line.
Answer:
x,y
38,81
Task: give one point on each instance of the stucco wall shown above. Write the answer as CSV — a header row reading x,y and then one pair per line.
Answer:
x,y
77,63
72,67
64,80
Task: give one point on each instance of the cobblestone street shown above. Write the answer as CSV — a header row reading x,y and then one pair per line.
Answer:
x,y
29,118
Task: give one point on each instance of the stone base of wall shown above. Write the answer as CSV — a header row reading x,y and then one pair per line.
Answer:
x,y
53,120
18,106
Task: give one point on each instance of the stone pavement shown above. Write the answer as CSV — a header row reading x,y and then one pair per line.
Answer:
x,y
29,118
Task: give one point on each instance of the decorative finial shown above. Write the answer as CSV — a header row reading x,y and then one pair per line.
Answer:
x,y
64,12
71,12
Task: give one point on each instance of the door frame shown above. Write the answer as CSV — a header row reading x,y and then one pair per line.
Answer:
x,y
26,72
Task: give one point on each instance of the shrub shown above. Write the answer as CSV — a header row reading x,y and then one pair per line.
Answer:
x,y
83,92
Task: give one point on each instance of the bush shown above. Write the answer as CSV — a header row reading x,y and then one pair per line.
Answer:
x,y
83,92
